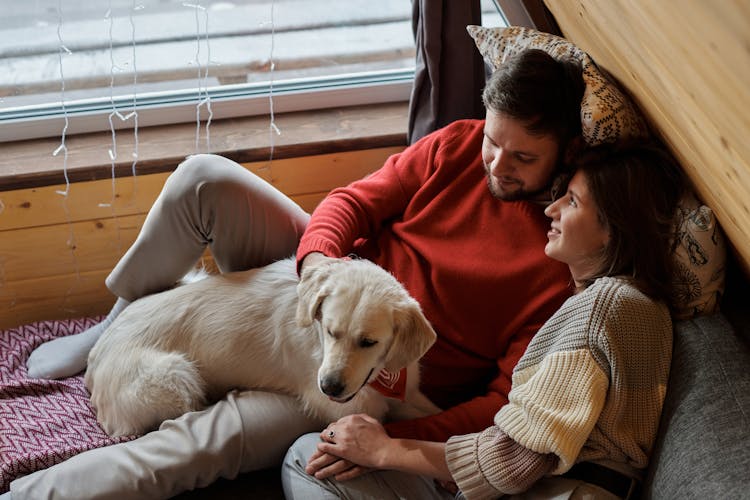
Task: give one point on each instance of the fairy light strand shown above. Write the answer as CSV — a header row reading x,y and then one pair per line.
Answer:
x,y
205,85
203,97
71,242
135,90
112,68
272,128
62,147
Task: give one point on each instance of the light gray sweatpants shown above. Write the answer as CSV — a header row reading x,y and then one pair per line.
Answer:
x,y
208,201
381,485
396,485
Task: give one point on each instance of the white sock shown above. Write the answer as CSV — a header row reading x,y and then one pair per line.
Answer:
x,y
66,356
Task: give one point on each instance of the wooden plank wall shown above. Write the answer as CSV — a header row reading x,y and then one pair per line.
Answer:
x,y
687,65
55,250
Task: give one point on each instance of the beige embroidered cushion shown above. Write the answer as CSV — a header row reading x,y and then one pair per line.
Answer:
x,y
607,114
700,258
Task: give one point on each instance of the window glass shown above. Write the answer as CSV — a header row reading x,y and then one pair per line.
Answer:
x,y
188,58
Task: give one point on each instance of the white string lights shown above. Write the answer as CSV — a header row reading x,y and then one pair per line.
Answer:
x,y
123,116
62,49
119,114
272,128
113,67
133,114
204,99
115,113
135,87
71,242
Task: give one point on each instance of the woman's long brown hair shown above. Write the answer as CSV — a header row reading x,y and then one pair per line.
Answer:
x,y
636,190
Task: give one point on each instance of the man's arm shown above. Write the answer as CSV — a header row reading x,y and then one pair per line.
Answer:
x,y
361,209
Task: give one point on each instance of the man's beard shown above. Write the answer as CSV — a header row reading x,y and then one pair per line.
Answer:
x,y
517,194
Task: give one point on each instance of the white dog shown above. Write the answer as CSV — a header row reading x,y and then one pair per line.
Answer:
x,y
323,339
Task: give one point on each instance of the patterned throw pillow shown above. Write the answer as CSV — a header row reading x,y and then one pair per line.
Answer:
x,y
607,114
700,257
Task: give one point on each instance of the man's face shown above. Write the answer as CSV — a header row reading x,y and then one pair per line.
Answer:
x,y
519,165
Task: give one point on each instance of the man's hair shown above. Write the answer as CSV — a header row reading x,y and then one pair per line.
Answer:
x,y
636,190
540,91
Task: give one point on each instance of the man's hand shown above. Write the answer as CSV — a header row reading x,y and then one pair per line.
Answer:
x,y
323,465
312,259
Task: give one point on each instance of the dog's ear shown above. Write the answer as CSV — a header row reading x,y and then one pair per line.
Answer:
x,y
413,336
311,291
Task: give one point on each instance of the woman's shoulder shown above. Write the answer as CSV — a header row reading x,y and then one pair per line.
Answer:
x,y
626,326
616,299
618,287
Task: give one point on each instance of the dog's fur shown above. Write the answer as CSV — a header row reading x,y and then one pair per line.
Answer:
x,y
321,339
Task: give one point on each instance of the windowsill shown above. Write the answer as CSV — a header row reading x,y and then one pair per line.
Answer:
x,y
29,164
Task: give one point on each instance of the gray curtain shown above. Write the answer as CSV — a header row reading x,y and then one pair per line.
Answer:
x,y
450,72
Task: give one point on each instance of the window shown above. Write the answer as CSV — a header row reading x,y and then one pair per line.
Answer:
x,y
107,64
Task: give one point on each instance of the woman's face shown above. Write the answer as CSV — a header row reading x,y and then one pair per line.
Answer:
x,y
576,237
518,165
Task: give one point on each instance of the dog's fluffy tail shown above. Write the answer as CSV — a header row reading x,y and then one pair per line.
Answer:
x,y
164,385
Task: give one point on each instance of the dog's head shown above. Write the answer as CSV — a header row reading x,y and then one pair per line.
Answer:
x,y
367,322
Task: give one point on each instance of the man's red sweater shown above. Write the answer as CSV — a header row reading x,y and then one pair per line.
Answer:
x,y
476,265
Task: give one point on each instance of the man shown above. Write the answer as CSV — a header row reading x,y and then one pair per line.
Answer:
x,y
457,218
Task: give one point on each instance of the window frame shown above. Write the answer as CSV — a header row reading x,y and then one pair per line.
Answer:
x,y
226,101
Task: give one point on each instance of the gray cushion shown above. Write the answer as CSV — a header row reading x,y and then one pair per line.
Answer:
x,y
703,448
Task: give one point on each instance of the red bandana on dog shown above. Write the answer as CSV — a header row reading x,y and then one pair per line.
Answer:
x,y
391,384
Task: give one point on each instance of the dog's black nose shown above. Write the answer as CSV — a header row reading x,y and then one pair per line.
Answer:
x,y
331,386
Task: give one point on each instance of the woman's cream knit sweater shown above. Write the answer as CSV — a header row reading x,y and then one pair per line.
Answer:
x,y
590,387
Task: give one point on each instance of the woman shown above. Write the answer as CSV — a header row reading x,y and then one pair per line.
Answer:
x,y
584,408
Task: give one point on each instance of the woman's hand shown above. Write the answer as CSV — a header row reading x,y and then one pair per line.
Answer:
x,y
350,447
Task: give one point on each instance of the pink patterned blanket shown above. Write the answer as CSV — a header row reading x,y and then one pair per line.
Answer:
x,y
42,422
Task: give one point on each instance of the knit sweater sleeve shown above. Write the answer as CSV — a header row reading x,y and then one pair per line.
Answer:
x,y
554,406
505,466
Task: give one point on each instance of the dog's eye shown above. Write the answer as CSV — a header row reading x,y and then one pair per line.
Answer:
x,y
367,343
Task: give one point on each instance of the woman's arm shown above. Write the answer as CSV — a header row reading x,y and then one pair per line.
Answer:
x,y
360,443
362,440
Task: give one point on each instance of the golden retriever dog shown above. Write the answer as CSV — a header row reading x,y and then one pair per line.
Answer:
x,y
322,338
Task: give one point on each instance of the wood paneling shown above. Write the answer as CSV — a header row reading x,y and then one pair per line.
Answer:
x,y
55,250
687,65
